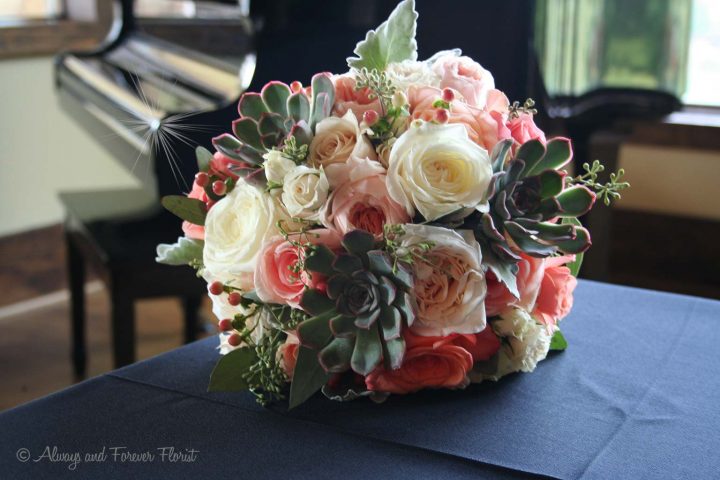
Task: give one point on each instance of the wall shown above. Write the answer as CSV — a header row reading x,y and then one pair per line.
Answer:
x,y
42,151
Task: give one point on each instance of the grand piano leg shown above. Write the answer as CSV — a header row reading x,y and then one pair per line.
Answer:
x,y
76,282
122,318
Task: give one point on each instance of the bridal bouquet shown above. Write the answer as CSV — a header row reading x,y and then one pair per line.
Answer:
x,y
397,227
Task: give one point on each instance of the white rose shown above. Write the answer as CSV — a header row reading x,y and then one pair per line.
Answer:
x,y
336,139
527,341
450,285
437,169
235,229
305,190
410,72
277,166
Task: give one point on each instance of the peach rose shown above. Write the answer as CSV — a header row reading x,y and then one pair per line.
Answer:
x,y
523,128
348,99
336,140
288,353
529,277
484,127
465,76
361,200
555,298
275,282
429,362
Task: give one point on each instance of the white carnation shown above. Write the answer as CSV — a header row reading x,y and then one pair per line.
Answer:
x,y
236,227
528,342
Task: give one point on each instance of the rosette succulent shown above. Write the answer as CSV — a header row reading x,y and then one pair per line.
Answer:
x,y
357,322
269,118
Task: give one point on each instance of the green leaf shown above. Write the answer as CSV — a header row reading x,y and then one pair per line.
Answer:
x,y
393,353
315,302
308,378
500,153
575,201
320,260
558,342
227,376
579,244
530,152
185,251
204,157
251,105
323,98
551,183
368,350
558,154
315,332
275,95
390,322
298,107
574,266
335,357
347,263
189,209
235,149
246,129
504,271
358,242
392,41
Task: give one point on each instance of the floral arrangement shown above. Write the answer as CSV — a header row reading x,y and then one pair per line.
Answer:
x,y
397,227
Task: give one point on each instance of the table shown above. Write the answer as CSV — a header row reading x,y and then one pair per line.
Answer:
x,y
635,395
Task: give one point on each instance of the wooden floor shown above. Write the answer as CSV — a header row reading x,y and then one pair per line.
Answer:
x,y
34,320
649,251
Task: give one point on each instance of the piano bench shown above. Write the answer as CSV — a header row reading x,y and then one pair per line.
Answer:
x,y
115,232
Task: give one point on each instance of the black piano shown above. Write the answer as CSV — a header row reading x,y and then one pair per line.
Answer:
x,y
167,78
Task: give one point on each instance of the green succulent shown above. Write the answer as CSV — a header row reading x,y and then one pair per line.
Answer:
x,y
269,118
527,194
357,322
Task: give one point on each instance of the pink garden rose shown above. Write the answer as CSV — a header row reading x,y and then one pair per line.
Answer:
x,y
347,98
523,128
555,298
429,362
275,282
360,200
465,76
484,127
529,277
288,353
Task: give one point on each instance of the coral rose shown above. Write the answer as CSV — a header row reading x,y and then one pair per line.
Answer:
x,y
275,280
429,362
481,345
347,99
523,128
529,277
466,76
288,353
555,298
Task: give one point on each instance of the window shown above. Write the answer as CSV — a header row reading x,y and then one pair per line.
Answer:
x,y
670,45
11,10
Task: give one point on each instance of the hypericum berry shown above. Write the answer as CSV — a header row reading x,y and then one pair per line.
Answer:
x,y
225,325
296,86
209,204
216,288
234,340
370,117
234,299
202,179
448,95
441,115
219,187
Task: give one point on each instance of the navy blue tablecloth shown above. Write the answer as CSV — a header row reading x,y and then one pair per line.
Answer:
x,y
636,395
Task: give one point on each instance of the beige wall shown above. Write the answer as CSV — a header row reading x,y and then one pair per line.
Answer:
x,y
43,151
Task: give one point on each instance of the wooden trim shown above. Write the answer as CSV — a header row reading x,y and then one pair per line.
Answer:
x,y
48,37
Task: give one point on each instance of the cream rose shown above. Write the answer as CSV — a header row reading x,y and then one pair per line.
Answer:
x,y
410,72
437,169
526,341
305,190
336,139
235,230
277,166
449,283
